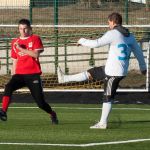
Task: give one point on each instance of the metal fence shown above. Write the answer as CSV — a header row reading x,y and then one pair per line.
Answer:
x,y
66,12
59,42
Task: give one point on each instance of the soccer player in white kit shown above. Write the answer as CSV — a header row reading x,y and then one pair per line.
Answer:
x,y
121,43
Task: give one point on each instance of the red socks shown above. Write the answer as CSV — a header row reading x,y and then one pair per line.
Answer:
x,y
5,103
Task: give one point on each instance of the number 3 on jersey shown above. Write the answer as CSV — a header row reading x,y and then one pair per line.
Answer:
x,y
124,52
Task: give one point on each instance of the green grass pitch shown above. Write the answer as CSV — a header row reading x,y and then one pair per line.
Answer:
x,y
29,128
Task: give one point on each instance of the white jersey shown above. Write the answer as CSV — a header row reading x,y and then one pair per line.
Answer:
x,y
119,52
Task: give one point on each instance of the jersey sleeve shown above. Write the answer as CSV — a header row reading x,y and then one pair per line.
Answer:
x,y
102,41
13,50
38,45
138,54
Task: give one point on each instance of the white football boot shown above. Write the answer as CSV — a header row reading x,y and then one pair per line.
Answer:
x,y
60,75
99,125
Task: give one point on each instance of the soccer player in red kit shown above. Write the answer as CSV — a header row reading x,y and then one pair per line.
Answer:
x,y
26,70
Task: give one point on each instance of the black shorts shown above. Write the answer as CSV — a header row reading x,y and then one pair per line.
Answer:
x,y
110,86
111,83
97,73
32,81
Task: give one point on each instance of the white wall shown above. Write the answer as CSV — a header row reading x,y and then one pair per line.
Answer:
x,y
14,3
139,1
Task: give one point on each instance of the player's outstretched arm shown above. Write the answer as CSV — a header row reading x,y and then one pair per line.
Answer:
x,y
106,39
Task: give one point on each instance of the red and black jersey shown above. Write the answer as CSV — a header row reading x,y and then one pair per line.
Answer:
x,y
25,63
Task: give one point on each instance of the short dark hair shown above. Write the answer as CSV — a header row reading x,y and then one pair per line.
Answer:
x,y
25,22
116,18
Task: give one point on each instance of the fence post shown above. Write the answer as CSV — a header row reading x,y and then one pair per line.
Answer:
x,y
126,11
147,5
92,61
30,10
7,56
56,32
65,48
149,67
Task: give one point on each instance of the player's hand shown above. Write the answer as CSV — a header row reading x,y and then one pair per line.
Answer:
x,y
19,48
17,45
144,72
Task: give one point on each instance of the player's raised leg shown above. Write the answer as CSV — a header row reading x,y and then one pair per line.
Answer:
x,y
62,78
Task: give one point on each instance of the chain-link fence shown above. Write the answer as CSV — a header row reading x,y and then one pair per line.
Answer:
x,y
66,12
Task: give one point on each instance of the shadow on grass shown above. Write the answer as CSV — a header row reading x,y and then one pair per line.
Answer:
x,y
118,124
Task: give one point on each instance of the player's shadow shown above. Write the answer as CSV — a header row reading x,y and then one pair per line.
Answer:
x,y
119,124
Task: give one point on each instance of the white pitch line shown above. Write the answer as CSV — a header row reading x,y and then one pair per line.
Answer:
x,y
76,145
88,108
